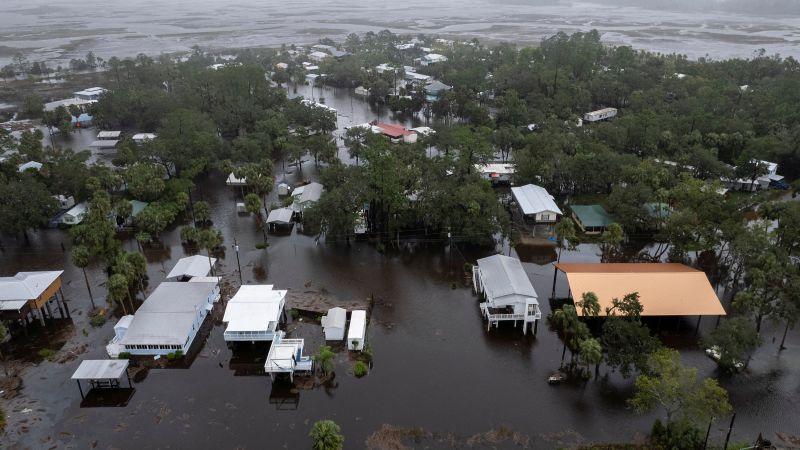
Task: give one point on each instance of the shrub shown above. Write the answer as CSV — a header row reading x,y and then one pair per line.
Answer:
x,y
47,354
172,356
678,435
124,355
360,369
2,420
262,245
326,435
295,314
98,320
287,202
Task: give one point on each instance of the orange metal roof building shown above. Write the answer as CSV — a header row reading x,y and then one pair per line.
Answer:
x,y
665,289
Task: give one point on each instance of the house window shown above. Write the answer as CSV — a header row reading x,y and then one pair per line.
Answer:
x,y
531,309
545,217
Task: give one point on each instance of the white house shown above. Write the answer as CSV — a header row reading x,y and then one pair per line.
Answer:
x,y
305,196
496,172
30,165
356,334
75,214
333,324
432,58
190,267
508,292
361,91
280,217
141,138
318,56
169,318
600,114
92,93
232,180
760,183
282,66
109,135
538,207
64,202
254,313
120,328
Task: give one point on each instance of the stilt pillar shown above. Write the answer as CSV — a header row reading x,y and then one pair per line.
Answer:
x,y
535,326
64,301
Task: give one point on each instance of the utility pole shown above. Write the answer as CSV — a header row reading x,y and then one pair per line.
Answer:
x,y
730,428
238,263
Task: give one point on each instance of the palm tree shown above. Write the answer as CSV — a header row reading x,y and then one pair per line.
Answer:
x,y
589,304
326,435
209,239
117,289
325,359
591,353
565,233
572,330
81,258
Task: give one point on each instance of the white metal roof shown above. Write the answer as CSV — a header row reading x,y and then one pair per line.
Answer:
x,y
310,192
533,199
144,136
29,165
253,307
108,134
100,369
27,285
167,315
358,324
78,209
335,318
124,322
280,215
501,168
502,275
233,181
283,355
104,143
192,266
12,305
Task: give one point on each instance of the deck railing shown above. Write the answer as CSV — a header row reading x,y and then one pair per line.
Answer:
x,y
249,335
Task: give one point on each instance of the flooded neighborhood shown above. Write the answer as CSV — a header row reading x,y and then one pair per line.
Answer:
x,y
496,225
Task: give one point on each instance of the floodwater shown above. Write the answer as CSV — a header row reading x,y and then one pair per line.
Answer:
x,y
435,364
59,32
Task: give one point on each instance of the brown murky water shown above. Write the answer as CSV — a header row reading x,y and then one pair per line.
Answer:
x,y
435,365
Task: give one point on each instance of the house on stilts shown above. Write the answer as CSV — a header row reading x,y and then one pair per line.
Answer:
x,y
508,293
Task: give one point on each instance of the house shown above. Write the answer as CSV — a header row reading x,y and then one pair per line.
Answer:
x,y
305,196
109,135
170,318
497,173
30,165
657,214
600,114
282,66
286,356
318,56
508,293
84,120
90,94
591,219
75,214
254,313
233,180
432,58
361,91
141,138
191,266
538,208
357,331
64,202
770,178
416,78
333,324
434,89
52,106
385,67
397,133
114,348
107,140
136,208
665,289
338,54
280,217
27,292
323,48
313,104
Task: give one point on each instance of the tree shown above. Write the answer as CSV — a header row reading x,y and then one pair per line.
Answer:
x,y
571,330
145,181
589,304
209,239
627,343
326,435
202,212
19,213
565,234
591,352
355,140
96,233
81,257
325,359
118,290
676,390
610,242
735,339
252,203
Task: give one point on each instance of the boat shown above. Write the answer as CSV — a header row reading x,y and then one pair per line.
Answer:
x,y
556,378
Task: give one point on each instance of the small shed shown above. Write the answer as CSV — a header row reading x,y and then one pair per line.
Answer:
x,y
356,334
280,217
101,373
75,214
333,324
